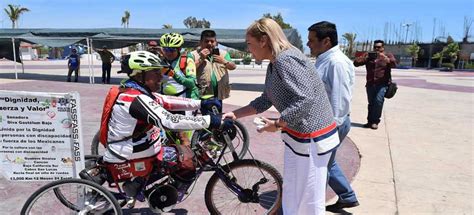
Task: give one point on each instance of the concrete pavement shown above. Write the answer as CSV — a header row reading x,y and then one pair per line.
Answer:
x,y
419,161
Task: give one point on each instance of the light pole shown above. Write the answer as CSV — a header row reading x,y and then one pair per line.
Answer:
x,y
431,44
408,27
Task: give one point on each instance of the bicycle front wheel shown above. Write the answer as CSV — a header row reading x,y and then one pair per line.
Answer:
x,y
71,196
261,181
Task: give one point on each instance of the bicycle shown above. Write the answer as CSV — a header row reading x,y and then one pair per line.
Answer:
x,y
253,186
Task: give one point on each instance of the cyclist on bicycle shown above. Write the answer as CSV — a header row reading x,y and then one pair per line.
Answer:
x,y
181,81
139,116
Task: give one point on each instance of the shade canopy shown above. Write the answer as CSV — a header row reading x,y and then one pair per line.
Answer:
x,y
122,37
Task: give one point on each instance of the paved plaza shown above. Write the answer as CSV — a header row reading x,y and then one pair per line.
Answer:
x,y
419,161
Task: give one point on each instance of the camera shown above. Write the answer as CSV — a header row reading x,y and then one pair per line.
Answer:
x,y
215,51
372,55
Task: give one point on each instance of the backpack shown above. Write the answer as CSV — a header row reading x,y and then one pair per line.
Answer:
x,y
107,109
109,103
183,62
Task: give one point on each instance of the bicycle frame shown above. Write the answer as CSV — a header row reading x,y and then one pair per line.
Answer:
x,y
155,176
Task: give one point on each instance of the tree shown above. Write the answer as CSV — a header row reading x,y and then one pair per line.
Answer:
x,y
413,50
279,19
439,56
14,12
126,19
124,22
450,51
236,53
192,22
350,38
449,39
167,26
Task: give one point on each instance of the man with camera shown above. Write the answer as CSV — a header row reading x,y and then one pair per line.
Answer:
x,y
213,67
378,65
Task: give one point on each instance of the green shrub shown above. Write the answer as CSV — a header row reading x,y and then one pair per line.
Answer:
x,y
237,62
247,60
448,65
469,66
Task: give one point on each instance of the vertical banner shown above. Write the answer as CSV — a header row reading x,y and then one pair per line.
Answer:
x,y
40,136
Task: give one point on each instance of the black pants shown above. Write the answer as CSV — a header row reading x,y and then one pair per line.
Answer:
x,y
106,67
76,70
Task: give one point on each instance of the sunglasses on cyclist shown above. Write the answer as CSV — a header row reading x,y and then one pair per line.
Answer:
x,y
168,49
377,47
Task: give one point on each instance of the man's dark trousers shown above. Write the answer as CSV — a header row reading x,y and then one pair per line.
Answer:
x,y
106,67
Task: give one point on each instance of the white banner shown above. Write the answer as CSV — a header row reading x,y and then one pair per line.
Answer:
x,y
40,136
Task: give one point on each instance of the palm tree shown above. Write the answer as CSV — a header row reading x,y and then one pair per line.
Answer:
x,y
167,26
452,50
413,50
439,56
14,12
124,22
350,38
126,19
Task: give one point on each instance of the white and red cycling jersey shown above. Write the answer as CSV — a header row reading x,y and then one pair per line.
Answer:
x,y
137,122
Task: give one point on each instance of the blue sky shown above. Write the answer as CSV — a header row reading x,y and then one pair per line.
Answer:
x,y
367,18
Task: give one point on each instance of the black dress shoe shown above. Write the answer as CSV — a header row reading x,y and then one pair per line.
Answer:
x,y
340,205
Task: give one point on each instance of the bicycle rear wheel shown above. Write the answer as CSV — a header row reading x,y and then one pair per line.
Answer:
x,y
95,144
238,135
72,196
247,174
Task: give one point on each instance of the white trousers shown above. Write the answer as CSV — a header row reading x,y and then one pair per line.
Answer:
x,y
304,182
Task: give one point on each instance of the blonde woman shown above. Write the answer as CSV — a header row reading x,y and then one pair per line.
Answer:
x,y
306,122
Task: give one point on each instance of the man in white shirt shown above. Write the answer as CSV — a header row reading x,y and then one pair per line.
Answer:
x,y
337,73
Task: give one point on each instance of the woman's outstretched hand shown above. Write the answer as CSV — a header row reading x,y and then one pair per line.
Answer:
x,y
229,115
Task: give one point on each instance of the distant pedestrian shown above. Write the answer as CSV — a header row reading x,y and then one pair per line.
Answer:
x,y
73,64
154,48
379,67
337,73
107,59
